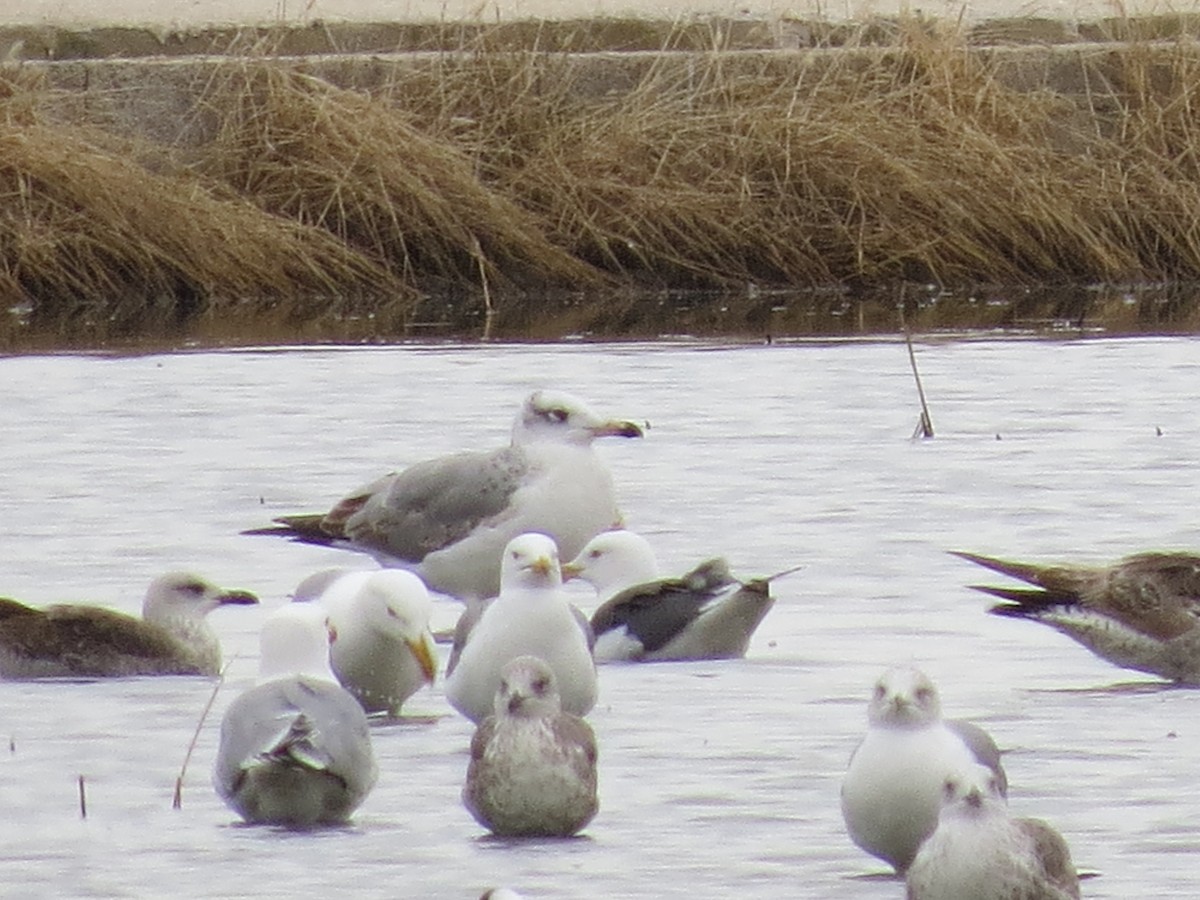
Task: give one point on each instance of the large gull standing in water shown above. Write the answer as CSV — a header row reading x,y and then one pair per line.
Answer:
x,y
531,616
892,791
980,851
449,519
384,652
172,637
1139,613
644,617
533,767
295,749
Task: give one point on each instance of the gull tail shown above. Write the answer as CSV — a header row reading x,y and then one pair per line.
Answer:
x,y
305,529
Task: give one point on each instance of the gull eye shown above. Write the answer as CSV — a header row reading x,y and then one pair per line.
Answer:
x,y
924,694
557,414
949,788
541,684
391,612
195,588
595,554
880,692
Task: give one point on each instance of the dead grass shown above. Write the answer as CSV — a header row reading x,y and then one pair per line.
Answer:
x,y
511,176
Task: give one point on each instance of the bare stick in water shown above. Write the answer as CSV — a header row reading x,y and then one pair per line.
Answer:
x,y
177,800
925,424
82,800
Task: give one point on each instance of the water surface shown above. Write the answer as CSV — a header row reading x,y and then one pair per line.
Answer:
x,y
717,779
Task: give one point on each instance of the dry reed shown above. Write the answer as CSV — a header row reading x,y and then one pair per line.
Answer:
x,y
512,176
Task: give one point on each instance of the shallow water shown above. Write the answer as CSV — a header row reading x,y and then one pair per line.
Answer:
x,y
717,779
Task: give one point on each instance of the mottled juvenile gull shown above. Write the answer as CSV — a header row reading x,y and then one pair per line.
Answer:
x,y
892,791
73,640
533,767
644,617
384,652
980,851
449,519
1139,613
531,616
295,749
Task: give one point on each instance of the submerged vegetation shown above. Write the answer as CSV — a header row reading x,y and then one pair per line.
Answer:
x,y
543,192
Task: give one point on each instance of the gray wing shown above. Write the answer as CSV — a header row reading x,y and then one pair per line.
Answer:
x,y
462,630
430,505
264,719
983,748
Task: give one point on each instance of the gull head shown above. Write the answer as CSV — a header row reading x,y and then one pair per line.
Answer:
x,y
527,689
613,561
530,561
182,595
295,640
558,416
396,603
904,697
971,793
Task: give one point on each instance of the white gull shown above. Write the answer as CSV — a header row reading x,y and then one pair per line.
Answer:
x,y
384,652
531,616
892,790
449,519
295,749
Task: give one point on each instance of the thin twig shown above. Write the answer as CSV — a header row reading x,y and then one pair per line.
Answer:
x,y
177,800
82,800
925,425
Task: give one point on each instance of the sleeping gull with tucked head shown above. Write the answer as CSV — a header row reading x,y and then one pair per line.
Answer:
x,y
449,519
295,749
172,637
644,617
384,652
982,852
533,767
892,791
531,616
1139,613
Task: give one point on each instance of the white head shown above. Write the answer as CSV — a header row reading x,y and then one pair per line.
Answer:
x,y
904,697
527,689
182,595
971,792
396,604
530,561
557,416
613,561
294,640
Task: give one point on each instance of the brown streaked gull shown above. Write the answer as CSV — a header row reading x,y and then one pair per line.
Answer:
x,y
1139,613
172,637
449,519
531,616
533,767
892,790
979,850
644,617
295,749
384,651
